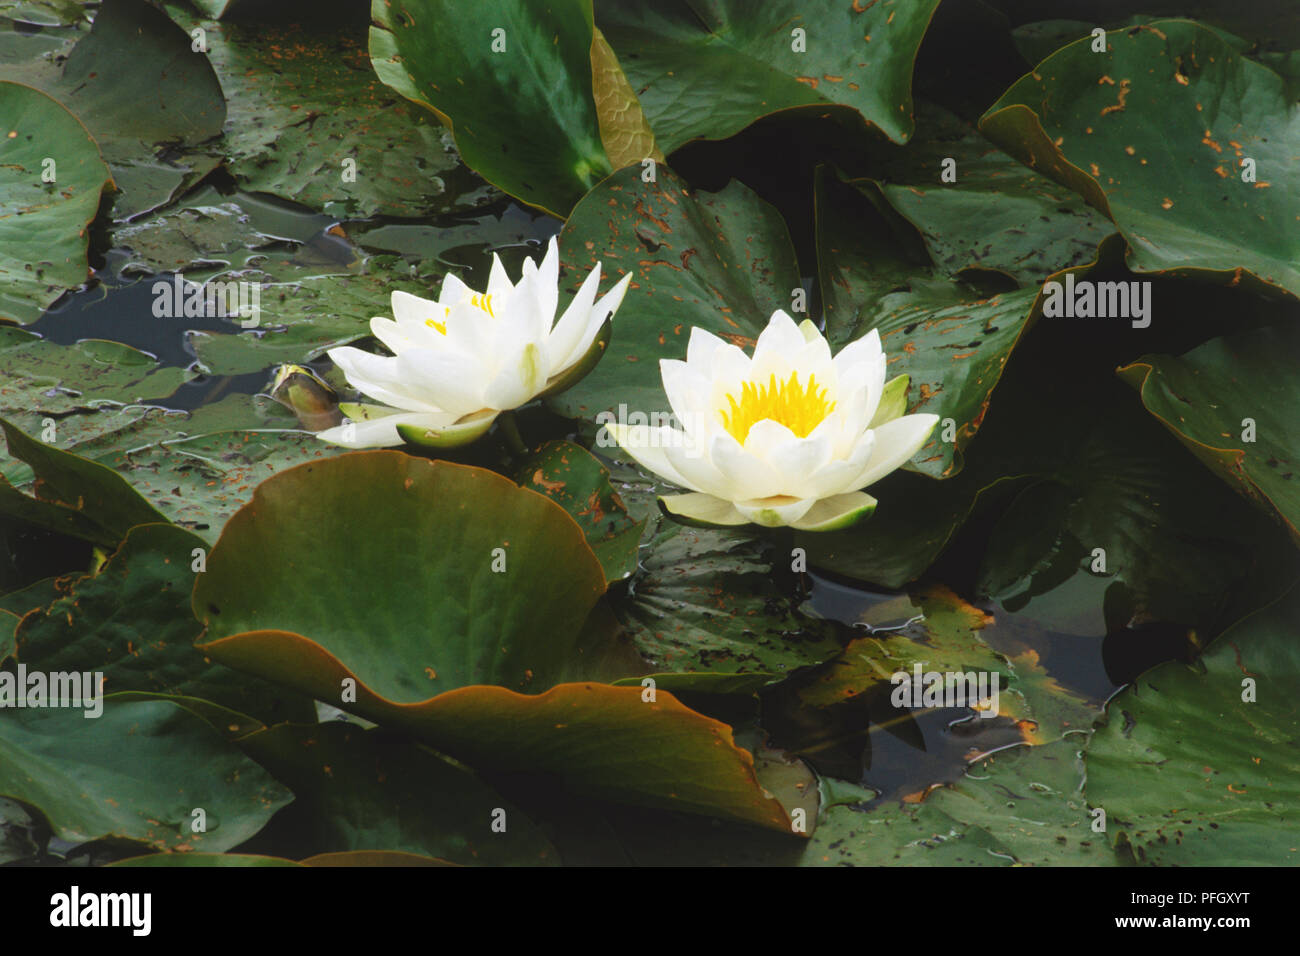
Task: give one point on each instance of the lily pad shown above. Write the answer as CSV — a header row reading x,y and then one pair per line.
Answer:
x,y
706,614
624,132
137,772
722,262
574,479
513,81
73,495
51,217
169,97
307,310
996,213
501,579
132,622
1232,402
708,70
1113,497
1022,806
1197,766
358,790
174,860
307,120
942,636
196,468
951,339
463,625
42,377
1155,132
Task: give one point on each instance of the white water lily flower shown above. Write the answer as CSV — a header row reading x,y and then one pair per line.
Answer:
x,y
788,437
461,361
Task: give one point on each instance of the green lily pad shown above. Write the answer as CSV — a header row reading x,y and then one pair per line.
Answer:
x,y
137,772
173,860
307,310
196,468
997,213
574,479
708,70
706,614
132,622
42,377
945,639
1190,771
722,262
1022,806
373,858
307,120
170,96
8,628
73,495
1113,497
444,528
49,217
361,789
1155,132
43,13
1206,397
513,81
951,339
463,626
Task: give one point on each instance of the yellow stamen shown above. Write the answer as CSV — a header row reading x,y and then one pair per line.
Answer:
x,y
478,300
798,408
440,326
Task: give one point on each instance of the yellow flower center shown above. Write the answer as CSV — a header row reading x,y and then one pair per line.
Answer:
x,y
799,408
481,301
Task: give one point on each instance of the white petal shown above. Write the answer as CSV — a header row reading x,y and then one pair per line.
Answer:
x,y
700,349
730,368
703,508
794,459
647,445
378,432
453,380
378,377
775,512
453,290
521,376
781,336
393,335
896,442
688,394
859,351
571,326
499,284
412,309
746,475
835,513
690,459
838,476
604,308
547,288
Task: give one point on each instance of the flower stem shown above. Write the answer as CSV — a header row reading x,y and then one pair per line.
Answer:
x,y
510,432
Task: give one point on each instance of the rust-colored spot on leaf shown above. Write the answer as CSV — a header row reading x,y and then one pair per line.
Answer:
x,y
1120,95
539,479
